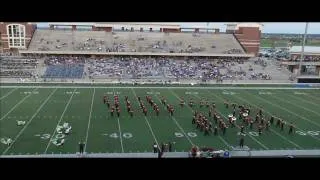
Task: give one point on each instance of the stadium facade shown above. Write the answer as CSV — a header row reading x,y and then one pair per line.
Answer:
x,y
19,35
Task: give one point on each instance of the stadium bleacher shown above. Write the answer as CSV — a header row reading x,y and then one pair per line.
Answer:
x,y
99,41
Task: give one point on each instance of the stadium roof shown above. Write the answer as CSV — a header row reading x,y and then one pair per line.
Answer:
x,y
307,49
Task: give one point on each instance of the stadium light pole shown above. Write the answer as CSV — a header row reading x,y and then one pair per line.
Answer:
x,y
303,43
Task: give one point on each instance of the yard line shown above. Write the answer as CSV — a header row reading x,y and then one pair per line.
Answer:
x,y
296,105
15,106
54,130
221,138
275,132
178,125
302,99
285,109
86,143
311,96
120,134
21,131
280,118
253,138
8,93
146,120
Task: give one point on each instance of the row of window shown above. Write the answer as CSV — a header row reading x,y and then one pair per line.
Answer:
x,y
16,42
16,35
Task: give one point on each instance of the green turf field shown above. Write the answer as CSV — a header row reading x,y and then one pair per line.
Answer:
x,y
43,108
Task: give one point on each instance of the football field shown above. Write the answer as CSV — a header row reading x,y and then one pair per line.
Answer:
x,y
41,109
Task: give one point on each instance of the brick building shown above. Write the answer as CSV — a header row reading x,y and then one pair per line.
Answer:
x,y
15,35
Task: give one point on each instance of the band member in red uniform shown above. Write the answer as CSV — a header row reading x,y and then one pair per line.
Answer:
x,y
215,130
191,103
112,110
260,129
278,122
251,124
182,102
145,111
226,104
271,120
131,113
157,111
291,128
268,125
282,125
207,104
242,129
206,131
108,103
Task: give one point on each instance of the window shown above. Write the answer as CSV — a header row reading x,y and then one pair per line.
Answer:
x,y
16,35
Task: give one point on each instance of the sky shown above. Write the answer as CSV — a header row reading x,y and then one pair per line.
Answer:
x,y
285,28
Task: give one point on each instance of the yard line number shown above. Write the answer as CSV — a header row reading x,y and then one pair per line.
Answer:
x,y
125,135
311,133
190,134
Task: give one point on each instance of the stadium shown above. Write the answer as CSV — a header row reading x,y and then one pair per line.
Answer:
x,y
149,90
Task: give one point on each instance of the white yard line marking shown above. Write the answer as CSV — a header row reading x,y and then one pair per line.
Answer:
x,y
279,117
120,134
270,127
8,93
88,128
160,87
30,120
221,138
147,122
253,138
178,125
313,97
302,99
290,102
285,109
15,106
54,130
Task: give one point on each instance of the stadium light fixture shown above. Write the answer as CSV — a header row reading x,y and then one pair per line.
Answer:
x,y
303,43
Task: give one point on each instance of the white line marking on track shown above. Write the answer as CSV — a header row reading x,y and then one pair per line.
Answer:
x,y
15,106
30,120
54,131
147,122
8,93
88,128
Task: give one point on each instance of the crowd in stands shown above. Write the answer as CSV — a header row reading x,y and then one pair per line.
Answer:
x,y
169,68
64,67
306,58
17,66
